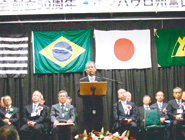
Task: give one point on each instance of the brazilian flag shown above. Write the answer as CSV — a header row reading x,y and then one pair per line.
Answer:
x,y
61,51
170,45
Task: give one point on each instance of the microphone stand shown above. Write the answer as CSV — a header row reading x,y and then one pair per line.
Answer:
x,y
116,84
112,80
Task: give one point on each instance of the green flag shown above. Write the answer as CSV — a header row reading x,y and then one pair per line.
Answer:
x,y
61,51
170,45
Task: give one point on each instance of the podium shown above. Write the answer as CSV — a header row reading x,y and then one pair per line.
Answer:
x,y
65,124
92,93
93,88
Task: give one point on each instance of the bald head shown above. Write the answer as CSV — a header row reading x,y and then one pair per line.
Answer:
x,y
122,94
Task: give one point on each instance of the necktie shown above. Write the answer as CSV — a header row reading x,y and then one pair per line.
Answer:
x,y
34,109
147,108
7,109
160,106
91,79
179,104
124,107
62,107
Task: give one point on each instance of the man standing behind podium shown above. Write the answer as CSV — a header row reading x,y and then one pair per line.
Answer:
x,y
92,105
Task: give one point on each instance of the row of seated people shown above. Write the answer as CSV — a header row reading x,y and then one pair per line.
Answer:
x,y
172,114
126,115
36,114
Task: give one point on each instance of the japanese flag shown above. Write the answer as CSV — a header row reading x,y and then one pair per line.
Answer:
x,y
123,49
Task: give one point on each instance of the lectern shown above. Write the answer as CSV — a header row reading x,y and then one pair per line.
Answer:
x,y
92,93
93,88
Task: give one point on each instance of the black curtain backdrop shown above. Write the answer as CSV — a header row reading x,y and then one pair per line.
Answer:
x,y
138,81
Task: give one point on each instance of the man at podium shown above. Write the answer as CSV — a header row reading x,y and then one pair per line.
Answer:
x,y
92,104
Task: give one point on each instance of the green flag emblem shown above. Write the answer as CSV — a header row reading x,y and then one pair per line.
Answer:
x,y
180,47
170,45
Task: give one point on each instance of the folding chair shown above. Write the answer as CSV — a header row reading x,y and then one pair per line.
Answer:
x,y
153,124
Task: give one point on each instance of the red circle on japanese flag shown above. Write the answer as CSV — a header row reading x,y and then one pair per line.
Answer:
x,y
124,49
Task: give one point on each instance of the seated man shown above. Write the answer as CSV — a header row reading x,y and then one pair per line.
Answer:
x,y
9,115
125,115
129,96
141,112
34,115
175,112
161,106
63,113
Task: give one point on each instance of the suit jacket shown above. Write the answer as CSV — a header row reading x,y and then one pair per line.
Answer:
x,y
163,112
92,103
119,113
172,108
56,113
86,79
14,115
38,118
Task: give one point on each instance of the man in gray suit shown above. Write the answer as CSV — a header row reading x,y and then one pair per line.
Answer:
x,y
63,113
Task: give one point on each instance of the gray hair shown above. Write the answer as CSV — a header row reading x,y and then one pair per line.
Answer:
x,y
90,62
63,91
120,90
177,88
38,92
41,97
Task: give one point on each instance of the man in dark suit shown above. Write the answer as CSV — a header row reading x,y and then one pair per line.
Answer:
x,y
92,105
161,106
9,115
63,113
175,112
141,112
125,115
34,115
129,96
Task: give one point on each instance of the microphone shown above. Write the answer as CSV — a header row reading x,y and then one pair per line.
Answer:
x,y
109,79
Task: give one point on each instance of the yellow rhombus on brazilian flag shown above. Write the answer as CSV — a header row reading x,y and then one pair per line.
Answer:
x,y
61,51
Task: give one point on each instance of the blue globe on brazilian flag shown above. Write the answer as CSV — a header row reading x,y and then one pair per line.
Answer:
x,y
61,51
